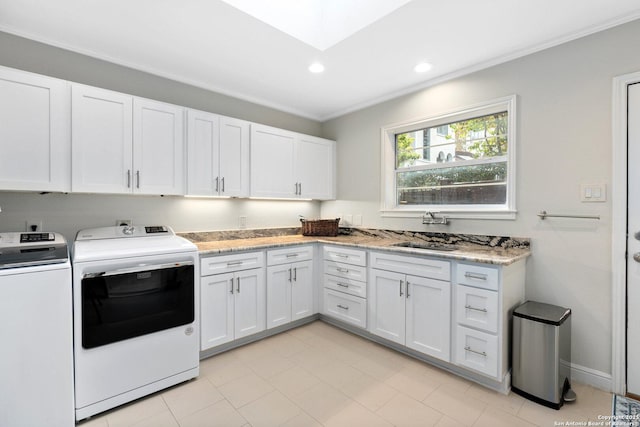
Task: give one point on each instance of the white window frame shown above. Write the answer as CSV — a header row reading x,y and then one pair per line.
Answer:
x,y
388,133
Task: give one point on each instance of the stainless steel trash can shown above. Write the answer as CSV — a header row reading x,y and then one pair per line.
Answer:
x,y
541,369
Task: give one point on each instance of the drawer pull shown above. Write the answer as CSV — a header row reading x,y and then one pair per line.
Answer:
x,y
477,276
342,285
344,307
292,255
342,270
342,255
469,307
234,263
480,353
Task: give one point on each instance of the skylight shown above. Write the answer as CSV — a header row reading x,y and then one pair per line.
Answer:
x,y
318,23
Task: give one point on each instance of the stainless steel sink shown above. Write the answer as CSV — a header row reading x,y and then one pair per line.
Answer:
x,y
428,246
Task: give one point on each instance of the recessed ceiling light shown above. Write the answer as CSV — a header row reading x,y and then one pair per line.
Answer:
x,y
316,67
422,67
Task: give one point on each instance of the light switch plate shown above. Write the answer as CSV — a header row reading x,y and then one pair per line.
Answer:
x,y
593,192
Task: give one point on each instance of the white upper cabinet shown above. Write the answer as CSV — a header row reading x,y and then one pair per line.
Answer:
x,y
158,147
123,144
102,140
218,155
289,165
314,168
272,156
34,132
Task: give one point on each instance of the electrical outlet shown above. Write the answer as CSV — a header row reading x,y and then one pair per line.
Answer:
x,y
242,222
33,225
123,222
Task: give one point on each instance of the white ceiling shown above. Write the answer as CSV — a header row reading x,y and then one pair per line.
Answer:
x,y
211,44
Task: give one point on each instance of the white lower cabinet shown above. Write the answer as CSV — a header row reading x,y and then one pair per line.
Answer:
x,y
290,290
410,310
345,285
232,303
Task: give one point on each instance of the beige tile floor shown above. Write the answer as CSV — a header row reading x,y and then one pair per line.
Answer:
x,y
319,375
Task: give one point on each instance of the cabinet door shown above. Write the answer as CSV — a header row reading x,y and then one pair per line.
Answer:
x,y
429,316
101,145
158,147
202,153
234,157
279,279
249,302
272,162
314,166
302,290
216,310
34,132
387,305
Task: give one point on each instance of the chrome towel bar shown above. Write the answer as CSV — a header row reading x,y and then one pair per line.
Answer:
x,y
544,214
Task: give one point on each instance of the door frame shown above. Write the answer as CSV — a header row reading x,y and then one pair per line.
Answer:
x,y
619,230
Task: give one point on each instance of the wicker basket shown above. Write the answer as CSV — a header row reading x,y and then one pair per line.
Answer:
x,y
320,227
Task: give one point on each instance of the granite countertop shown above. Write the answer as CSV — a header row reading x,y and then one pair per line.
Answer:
x,y
475,248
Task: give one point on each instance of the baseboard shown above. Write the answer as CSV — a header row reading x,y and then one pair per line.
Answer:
x,y
592,377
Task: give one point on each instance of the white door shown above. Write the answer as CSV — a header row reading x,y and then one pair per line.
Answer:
x,y
202,153
216,302
633,243
158,147
279,280
34,133
249,302
387,305
272,152
302,290
234,157
101,140
314,167
428,316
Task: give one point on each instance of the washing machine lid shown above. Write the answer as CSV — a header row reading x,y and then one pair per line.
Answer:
x,y
19,250
117,242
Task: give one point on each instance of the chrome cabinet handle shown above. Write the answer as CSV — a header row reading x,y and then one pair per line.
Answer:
x,y
344,307
289,274
238,286
295,274
296,184
128,178
636,257
470,350
223,184
469,307
137,179
300,191
342,270
407,291
342,285
234,263
342,255
475,276
231,286
217,183
292,255
401,283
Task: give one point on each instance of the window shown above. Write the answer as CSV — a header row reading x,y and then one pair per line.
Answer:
x,y
461,163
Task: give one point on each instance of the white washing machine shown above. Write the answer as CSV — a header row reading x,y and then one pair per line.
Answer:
x,y
36,355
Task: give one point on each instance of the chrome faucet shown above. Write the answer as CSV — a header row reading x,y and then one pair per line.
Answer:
x,y
431,219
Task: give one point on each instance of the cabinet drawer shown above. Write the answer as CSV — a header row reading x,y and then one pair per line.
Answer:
x,y
477,276
477,350
347,271
227,263
291,254
477,308
348,286
423,267
347,308
349,256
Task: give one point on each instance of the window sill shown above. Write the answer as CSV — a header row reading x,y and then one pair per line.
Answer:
x,y
450,214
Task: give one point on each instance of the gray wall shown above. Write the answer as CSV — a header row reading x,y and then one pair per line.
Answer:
x,y
68,213
563,140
